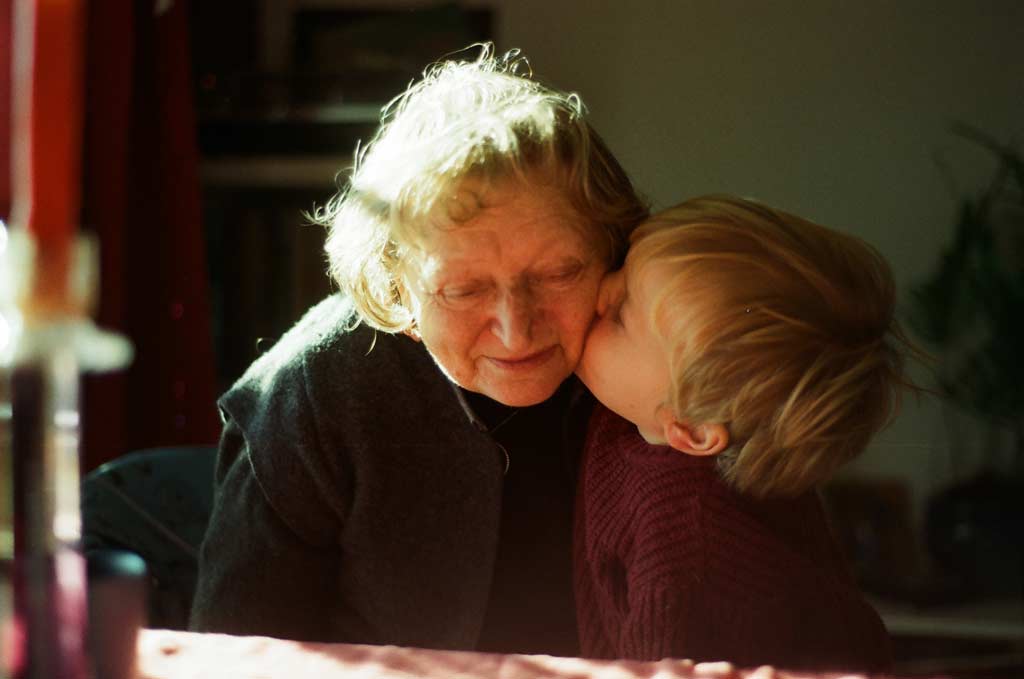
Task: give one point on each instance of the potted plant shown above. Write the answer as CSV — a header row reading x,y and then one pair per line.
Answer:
x,y
970,313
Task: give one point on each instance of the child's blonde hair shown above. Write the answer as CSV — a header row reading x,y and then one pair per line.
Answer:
x,y
780,329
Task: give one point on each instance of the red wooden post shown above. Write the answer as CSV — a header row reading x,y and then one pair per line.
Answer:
x,y
46,637
46,141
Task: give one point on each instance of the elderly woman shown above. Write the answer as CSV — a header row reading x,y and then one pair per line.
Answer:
x,y
399,467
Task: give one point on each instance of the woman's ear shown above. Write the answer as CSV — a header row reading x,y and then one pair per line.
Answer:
x,y
700,439
410,302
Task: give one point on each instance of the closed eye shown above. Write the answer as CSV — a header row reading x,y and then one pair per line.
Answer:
x,y
567,273
562,275
462,296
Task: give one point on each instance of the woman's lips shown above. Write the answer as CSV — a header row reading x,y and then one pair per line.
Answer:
x,y
523,363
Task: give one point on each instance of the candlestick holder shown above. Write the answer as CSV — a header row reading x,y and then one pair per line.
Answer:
x,y
43,353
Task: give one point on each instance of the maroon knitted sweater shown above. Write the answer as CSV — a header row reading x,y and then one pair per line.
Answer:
x,y
671,562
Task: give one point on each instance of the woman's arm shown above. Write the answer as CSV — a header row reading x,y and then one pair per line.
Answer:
x,y
256,574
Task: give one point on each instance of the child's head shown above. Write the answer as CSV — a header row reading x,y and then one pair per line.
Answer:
x,y
745,332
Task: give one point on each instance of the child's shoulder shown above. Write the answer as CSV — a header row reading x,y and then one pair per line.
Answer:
x,y
611,434
721,527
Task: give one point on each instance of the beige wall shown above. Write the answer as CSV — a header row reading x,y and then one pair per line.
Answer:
x,y
835,110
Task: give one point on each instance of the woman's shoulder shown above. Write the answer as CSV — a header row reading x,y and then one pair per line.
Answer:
x,y
324,346
327,360
330,331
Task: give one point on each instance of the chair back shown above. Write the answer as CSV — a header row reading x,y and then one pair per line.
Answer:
x,y
156,503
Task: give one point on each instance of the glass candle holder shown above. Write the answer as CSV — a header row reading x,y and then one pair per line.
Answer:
x,y
43,626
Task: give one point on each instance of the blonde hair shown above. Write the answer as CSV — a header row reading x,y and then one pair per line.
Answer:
x,y
780,329
484,120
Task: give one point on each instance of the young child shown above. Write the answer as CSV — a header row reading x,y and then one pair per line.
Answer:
x,y
742,355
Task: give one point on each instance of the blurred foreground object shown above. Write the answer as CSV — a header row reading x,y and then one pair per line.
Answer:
x,y
44,351
47,283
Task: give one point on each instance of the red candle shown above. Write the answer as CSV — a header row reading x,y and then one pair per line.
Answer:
x,y
46,139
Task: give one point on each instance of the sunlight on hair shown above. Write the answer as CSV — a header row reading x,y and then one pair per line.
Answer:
x,y
780,327
474,120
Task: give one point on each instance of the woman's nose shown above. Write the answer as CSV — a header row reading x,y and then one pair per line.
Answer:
x,y
513,319
609,295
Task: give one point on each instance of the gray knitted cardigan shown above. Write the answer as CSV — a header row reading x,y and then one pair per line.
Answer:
x,y
357,499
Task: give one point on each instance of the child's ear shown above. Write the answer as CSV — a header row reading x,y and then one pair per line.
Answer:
x,y
699,439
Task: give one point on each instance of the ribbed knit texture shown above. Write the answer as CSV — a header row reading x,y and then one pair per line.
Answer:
x,y
671,562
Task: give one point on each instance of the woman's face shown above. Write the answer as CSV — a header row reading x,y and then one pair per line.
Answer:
x,y
503,300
